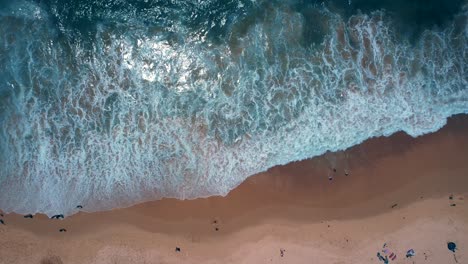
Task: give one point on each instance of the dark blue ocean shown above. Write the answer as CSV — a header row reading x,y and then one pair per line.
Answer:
x,y
111,103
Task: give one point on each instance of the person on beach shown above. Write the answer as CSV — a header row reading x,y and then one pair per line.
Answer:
x,y
57,216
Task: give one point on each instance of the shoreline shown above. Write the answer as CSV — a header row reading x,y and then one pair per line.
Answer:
x,y
294,206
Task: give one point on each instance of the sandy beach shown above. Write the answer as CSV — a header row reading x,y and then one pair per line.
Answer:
x,y
397,193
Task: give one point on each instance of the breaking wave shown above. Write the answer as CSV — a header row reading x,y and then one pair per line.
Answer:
x,y
108,105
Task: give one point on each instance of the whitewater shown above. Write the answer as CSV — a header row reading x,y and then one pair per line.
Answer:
x,y
106,105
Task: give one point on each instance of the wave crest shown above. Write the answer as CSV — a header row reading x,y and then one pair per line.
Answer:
x,y
144,114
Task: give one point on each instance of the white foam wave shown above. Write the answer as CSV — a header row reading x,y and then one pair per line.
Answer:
x,y
143,117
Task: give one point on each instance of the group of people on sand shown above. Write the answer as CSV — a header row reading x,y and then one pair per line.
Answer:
x,y
30,216
331,174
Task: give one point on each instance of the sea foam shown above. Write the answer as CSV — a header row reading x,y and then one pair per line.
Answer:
x,y
143,113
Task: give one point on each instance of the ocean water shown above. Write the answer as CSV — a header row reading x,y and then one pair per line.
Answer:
x,y
110,103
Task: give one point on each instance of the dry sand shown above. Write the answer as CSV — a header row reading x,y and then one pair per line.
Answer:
x,y
293,207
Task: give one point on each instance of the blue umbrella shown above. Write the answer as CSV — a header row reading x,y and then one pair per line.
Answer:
x,y
452,246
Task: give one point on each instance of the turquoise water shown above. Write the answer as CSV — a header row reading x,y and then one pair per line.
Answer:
x,y
110,103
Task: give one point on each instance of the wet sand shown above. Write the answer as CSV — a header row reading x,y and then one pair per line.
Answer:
x,y
397,192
